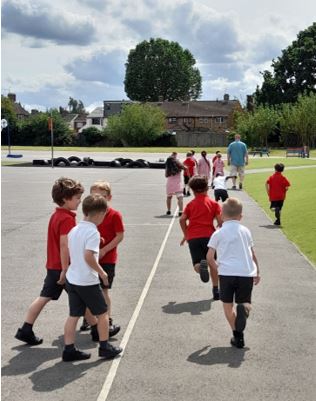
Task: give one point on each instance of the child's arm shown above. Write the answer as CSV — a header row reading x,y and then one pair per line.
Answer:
x,y
211,259
219,220
112,244
254,258
267,188
183,225
230,176
64,258
91,261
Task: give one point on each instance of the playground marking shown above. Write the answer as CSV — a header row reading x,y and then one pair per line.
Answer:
x,y
115,364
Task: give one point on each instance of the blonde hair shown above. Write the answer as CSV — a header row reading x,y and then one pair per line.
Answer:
x,y
101,186
232,207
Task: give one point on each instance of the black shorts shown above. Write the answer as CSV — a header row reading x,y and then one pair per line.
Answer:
x,y
275,204
198,249
236,287
50,288
85,296
220,194
186,179
109,269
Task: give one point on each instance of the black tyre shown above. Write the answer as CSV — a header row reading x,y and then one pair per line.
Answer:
x,y
115,163
39,163
61,161
83,164
126,161
157,165
74,159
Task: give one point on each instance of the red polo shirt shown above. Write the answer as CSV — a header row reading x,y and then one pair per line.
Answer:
x,y
277,186
201,212
110,226
190,164
60,223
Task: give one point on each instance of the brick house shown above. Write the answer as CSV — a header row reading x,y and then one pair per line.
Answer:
x,y
20,112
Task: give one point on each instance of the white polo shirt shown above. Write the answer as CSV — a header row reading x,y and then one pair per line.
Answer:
x,y
233,243
84,236
219,182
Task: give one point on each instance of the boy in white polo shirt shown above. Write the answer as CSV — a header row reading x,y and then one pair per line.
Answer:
x,y
219,186
83,283
237,267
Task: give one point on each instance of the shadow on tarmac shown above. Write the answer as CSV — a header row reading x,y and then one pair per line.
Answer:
x,y
194,308
271,226
220,355
164,216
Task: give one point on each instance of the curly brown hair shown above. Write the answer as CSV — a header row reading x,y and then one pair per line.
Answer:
x,y
65,188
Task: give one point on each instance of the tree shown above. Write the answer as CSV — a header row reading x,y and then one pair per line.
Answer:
x,y
91,136
294,72
161,69
75,106
138,124
34,130
8,113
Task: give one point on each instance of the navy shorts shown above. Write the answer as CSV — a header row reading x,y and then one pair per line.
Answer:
x,y
198,249
109,269
85,296
236,287
50,288
275,204
220,194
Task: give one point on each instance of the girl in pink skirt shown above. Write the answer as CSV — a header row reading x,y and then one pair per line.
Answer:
x,y
174,185
204,166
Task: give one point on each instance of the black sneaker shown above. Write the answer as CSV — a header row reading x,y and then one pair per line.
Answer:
x,y
85,325
180,214
28,338
168,213
204,273
114,329
75,355
240,185
277,222
241,318
94,335
237,342
234,187
184,191
109,352
215,293
188,193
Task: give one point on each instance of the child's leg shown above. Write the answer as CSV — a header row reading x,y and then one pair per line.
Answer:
x,y
90,318
108,301
230,314
35,309
103,326
169,198
70,330
180,203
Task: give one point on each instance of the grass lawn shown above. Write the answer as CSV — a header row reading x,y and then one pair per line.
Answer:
x,y
276,152
298,216
259,162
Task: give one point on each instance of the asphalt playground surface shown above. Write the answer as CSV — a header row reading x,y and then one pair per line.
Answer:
x,y
175,337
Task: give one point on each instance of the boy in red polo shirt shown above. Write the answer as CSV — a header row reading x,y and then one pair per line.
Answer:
x,y
189,163
276,186
112,233
66,193
197,224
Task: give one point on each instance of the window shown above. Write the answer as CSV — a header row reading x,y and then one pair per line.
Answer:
x,y
187,120
172,120
219,120
96,121
203,120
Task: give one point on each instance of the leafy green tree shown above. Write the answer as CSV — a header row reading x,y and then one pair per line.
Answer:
x,y
91,136
294,72
75,106
138,124
161,69
34,130
8,113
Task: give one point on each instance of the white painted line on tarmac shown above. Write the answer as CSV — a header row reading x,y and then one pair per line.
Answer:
x,y
115,364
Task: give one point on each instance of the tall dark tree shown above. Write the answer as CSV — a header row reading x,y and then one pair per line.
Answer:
x,y
161,69
294,72
75,106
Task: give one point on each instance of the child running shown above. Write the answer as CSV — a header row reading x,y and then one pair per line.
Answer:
x,y
277,186
237,267
219,186
218,165
173,175
66,193
197,224
189,163
112,233
83,283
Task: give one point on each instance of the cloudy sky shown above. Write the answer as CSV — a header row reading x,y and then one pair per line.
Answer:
x,y
52,50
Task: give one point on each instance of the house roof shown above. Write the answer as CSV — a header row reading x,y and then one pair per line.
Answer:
x,y
198,108
69,117
19,110
81,118
97,112
114,106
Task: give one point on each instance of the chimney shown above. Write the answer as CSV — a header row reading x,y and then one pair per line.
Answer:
x,y
226,97
12,97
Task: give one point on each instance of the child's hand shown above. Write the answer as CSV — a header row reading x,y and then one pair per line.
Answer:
x,y
182,241
256,280
62,278
104,278
102,252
